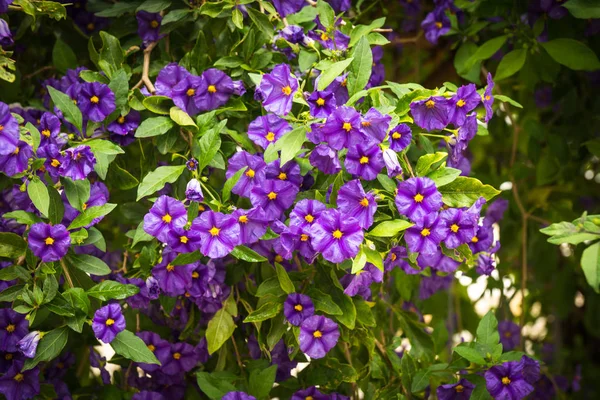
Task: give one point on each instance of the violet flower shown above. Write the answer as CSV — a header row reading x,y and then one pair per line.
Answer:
x,y
318,335
108,322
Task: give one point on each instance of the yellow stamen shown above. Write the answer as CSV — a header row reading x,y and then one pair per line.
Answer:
x,y
154,24
1,128
195,275
272,195
282,176
459,388
430,104
475,239
324,37
304,237
167,218
8,356
320,102
94,99
212,89
298,307
243,219
110,322
190,92
487,97
46,132
84,206
396,135
506,380
317,334
309,218
177,356
337,234
366,124
418,197
16,150
183,239
214,231
347,127
393,257
286,90
49,241
460,103
250,173
278,258
151,347
364,202
425,232
270,136
364,160
170,268
90,27
121,119
344,83
10,328
19,377
438,25
454,228
55,163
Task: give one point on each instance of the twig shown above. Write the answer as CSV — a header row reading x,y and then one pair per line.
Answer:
x,y
39,71
410,170
383,30
66,272
131,50
146,69
237,354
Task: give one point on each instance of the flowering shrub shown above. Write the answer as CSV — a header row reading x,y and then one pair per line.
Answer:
x,y
240,206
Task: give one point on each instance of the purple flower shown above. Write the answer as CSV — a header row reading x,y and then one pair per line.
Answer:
x,y
418,197
254,175
397,257
173,279
433,284
98,197
290,172
108,322
485,264
6,38
336,236
287,7
425,235
9,131
460,226
456,391
184,93
437,261
297,308
488,98
339,88
253,224
483,240
495,211
148,26
13,327
274,197
318,335
432,113
183,241
28,345
340,5
353,202
306,212
49,128
166,214
147,395
4,5
17,384
182,358
531,369
48,242
321,103
435,24
214,91
293,34
390,158
325,159
17,161
77,163
463,102
239,395
220,233
267,129
96,101
506,381
360,282
161,349
125,124
510,335
191,164
364,159
168,78
342,128
310,393
276,90
338,42
400,137
375,125
193,191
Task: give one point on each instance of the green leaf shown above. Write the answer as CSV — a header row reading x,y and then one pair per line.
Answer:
x,y
38,193
331,72
181,118
344,302
154,127
420,381
485,51
133,348
49,347
63,56
361,66
209,145
154,6
22,217
106,147
444,176
119,84
373,256
323,302
64,103
291,143
425,163
121,178
157,179
56,209
11,293
390,228
230,183
261,381
187,258
487,330
238,18
118,9
158,104
108,290
284,280
464,191
91,213
244,253
470,354
267,311
584,9
261,21
572,54
215,385
359,262
364,315
219,330
508,100
111,54
78,192
511,64
326,14
14,272
140,235
89,264
590,263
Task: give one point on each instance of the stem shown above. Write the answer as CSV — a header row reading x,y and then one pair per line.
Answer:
x,y
412,174
66,272
146,69
39,71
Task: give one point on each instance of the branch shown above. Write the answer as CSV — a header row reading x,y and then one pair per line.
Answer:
x,y
146,69
66,272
